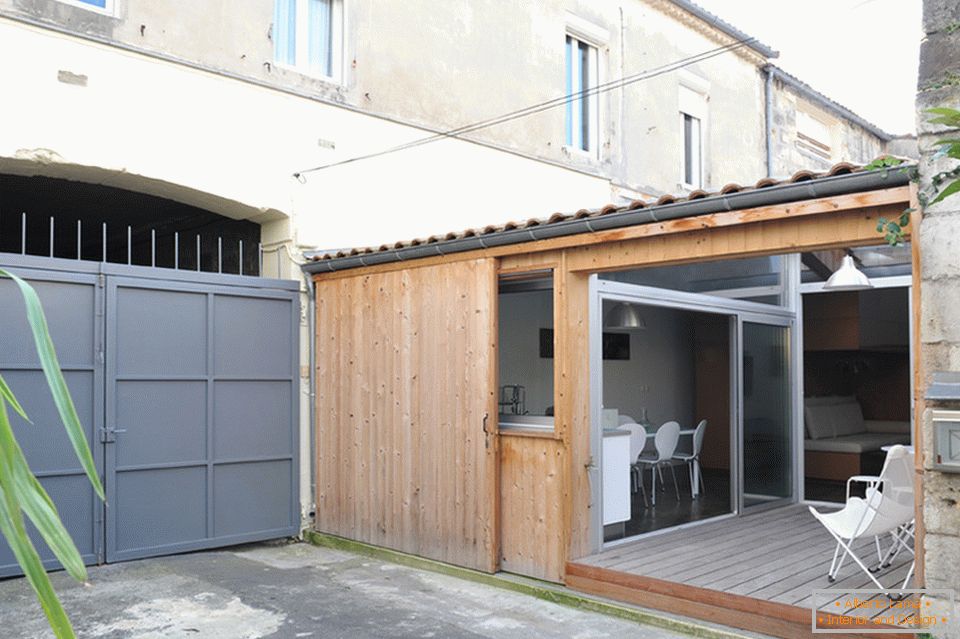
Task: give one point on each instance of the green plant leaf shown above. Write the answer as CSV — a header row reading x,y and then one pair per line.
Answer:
x,y
14,530
36,503
947,116
953,187
883,162
58,386
8,395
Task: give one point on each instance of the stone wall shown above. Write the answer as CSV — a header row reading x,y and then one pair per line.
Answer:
x,y
939,240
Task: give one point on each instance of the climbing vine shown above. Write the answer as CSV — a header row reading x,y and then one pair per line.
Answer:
x,y
942,185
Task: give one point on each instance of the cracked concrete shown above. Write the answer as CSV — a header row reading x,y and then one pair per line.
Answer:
x,y
297,591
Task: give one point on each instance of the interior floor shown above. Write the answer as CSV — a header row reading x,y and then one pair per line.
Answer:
x,y
714,500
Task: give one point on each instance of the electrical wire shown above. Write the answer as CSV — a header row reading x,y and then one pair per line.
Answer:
x,y
539,107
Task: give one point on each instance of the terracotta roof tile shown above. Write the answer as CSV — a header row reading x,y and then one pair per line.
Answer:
x,y
841,168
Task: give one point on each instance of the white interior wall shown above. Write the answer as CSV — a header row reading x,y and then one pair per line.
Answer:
x,y
522,315
659,375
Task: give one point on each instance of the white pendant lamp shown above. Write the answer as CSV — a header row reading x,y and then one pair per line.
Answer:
x,y
847,278
625,316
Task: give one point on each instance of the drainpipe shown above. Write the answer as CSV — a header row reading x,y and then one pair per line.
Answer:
x,y
768,117
312,392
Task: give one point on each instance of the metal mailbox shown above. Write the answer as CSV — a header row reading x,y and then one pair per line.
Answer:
x,y
946,440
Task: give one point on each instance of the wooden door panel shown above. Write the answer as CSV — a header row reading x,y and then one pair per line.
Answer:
x,y
405,376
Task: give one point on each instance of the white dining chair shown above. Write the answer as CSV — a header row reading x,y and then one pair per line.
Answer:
x,y
692,458
638,439
665,445
623,419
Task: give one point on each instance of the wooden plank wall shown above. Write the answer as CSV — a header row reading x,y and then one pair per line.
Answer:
x,y
532,499
405,375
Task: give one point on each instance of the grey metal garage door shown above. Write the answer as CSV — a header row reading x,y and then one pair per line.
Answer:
x,y
187,385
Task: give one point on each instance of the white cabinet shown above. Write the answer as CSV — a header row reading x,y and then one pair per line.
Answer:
x,y
616,476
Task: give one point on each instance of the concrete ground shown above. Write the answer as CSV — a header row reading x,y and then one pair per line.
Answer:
x,y
298,591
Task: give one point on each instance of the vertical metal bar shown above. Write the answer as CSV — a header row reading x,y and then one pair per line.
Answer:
x,y
103,242
129,244
219,254
51,236
176,251
260,259
241,257
153,247
23,233
79,240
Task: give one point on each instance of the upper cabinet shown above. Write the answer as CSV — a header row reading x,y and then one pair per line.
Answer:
x,y
875,319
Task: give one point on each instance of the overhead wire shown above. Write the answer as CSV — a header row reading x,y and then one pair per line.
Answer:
x,y
539,107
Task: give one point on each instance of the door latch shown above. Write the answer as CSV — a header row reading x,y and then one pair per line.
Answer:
x,y
109,435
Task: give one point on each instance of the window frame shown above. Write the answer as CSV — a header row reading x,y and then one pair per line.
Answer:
x,y
574,118
302,42
697,150
595,38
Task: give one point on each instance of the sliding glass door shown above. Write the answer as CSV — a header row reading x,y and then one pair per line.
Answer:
x,y
767,424
661,357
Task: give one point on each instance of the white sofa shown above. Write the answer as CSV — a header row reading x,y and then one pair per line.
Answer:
x,y
837,434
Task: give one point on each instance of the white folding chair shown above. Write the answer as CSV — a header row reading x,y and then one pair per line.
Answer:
x,y
886,508
665,444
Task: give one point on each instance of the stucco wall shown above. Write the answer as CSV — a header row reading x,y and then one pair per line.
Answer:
x,y
474,60
234,146
849,142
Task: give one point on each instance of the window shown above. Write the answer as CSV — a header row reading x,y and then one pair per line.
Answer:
x,y
693,101
307,35
692,151
813,134
100,6
582,112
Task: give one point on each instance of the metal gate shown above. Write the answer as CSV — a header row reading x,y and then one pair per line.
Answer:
x,y
187,386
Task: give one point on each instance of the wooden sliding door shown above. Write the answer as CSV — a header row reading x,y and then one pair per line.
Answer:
x,y
407,410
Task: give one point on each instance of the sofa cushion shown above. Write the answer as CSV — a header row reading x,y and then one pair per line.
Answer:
x,y
819,421
861,443
848,419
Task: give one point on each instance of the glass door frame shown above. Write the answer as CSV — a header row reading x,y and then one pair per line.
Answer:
x,y
790,324
738,311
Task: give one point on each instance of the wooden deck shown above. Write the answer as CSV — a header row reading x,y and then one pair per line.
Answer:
x,y
756,572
